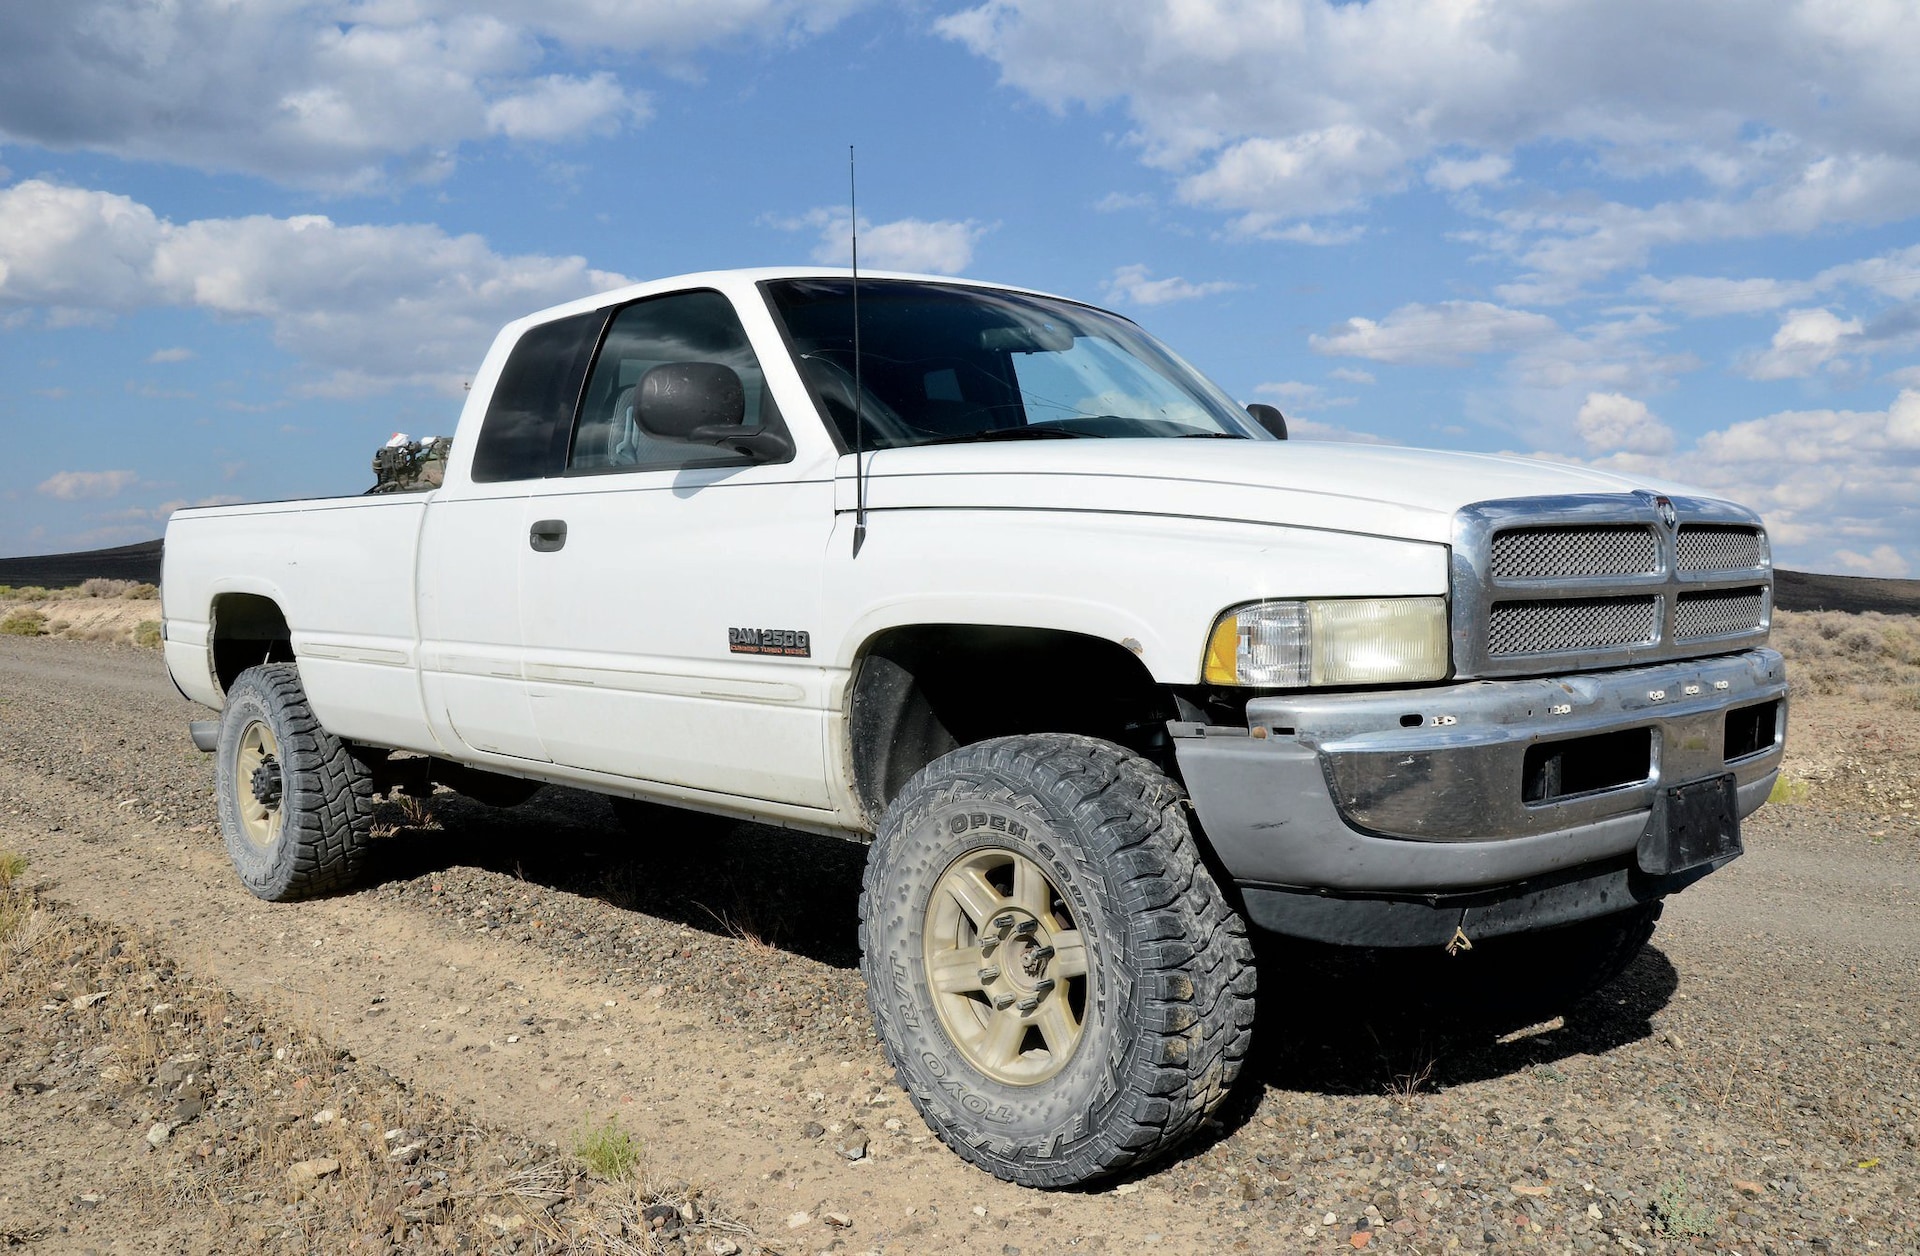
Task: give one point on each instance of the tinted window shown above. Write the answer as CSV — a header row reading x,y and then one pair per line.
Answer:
x,y
684,327
524,435
945,362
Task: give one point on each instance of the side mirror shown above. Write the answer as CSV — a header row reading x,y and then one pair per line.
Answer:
x,y
678,398
1271,419
703,403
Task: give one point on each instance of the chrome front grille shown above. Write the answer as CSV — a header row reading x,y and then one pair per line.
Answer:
x,y
1540,553
1719,549
1551,584
1720,613
1557,625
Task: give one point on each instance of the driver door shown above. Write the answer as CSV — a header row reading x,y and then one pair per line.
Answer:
x,y
666,636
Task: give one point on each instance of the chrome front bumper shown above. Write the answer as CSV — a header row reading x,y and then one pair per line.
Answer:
x,y
1423,793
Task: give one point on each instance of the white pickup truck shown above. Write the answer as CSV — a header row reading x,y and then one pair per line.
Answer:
x,y
1105,670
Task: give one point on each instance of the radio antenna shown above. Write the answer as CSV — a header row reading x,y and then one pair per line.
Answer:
x,y
859,433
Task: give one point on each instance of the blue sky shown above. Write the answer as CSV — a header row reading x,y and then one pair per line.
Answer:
x,y
242,241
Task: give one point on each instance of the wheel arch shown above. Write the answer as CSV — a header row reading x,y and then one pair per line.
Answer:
x,y
245,630
918,691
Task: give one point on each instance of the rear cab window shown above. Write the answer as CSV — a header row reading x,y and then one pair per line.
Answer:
x,y
530,415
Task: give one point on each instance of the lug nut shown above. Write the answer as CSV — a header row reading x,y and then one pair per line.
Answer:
x,y
1001,1002
989,975
1026,928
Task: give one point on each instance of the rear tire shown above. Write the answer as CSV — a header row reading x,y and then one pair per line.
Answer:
x,y
1059,984
295,805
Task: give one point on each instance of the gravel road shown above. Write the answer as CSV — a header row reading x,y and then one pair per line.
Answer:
x,y
1752,1076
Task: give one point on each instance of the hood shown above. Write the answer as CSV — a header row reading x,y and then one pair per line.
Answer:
x,y
1378,490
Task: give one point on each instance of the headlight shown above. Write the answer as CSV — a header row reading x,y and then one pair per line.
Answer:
x,y
1345,641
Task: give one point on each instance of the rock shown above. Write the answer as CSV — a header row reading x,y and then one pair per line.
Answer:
x,y
88,1000
325,1116
664,1218
798,1219
1127,1188
307,1171
853,1144
407,1153
159,1134
838,1220
1750,1189
723,1247
1531,1190
1387,1205
506,1224
812,1129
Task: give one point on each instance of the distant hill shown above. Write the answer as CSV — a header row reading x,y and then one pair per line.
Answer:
x,y
61,571
1792,590
1808,591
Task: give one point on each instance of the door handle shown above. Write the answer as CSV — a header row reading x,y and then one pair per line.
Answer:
x,y
547,535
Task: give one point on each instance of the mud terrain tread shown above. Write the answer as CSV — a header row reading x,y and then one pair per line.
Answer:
x,y
329,797
1191,958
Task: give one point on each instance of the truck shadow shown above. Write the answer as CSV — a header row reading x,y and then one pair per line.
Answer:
x,y
1400,1024
798,892
1334,1023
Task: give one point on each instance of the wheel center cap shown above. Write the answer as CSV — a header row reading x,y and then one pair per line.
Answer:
x,y
265,783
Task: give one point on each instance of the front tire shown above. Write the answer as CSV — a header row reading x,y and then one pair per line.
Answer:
x,y
295,806
1059,984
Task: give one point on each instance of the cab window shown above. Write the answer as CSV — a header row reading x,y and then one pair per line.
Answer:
x,y
530,413
683,327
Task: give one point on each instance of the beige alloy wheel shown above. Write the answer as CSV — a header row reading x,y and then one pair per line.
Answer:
x,y
1007,966
261,787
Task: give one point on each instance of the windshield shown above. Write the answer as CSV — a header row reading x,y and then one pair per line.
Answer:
x,y
943,363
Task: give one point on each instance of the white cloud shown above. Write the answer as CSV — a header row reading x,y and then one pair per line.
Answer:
x,y
70,486
558,108
1806,341
1299,398
1610,422
1883,561
344,94
1314,234
1441,334
170,355
1836,487
1115,202
1457,174
943,247
1704,297
1350,375
365,308
1130,284
1788,117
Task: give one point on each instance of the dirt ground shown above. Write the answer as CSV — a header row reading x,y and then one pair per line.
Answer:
x,y
512,979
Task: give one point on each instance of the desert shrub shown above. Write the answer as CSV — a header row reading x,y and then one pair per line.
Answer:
x,y
608,1152
147,633
1871,655
141,591
30,593
24,623
100,586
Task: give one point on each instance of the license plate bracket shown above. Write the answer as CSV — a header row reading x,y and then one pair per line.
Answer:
x,y
1693,825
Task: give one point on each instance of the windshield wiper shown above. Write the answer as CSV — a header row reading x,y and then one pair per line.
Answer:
x,y
1214,436
1011,433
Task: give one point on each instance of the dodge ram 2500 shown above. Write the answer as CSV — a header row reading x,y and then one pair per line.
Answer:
x,y
1106,671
